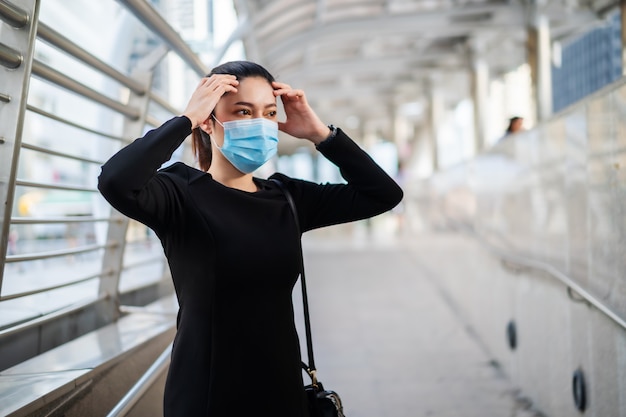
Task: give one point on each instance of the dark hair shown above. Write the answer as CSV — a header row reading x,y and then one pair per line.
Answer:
x,y
201,141
512,121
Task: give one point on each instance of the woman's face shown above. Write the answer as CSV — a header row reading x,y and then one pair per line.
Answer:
x,y
254,99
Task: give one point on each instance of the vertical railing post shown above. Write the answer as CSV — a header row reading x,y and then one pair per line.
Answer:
x,y
539,50
113,258
479,74
18,31
435,115
622,9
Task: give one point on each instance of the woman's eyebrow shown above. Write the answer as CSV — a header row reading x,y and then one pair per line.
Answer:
x,y
245,103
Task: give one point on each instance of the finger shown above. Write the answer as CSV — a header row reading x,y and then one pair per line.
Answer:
x,y
295,93
281,91
290,93
217,79
223,86
222,76
226,88
280,88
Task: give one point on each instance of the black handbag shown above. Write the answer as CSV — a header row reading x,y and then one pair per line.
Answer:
x,y
321,402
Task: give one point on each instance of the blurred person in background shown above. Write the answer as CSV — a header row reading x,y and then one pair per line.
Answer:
x,y
516,124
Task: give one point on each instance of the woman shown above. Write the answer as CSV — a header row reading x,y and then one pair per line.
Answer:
x,y
230,238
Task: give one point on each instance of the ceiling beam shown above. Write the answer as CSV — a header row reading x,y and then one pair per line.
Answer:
x,y
430,25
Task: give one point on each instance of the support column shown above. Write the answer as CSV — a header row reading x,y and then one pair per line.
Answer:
x,y
622,7
480,91
399,134
539,55
434,116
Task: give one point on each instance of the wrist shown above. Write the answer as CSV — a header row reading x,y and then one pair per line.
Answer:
x,y
323,134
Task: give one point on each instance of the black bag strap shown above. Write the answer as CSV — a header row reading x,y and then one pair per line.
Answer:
x,y
310,368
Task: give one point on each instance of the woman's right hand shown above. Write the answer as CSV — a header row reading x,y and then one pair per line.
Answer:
x,y
207,94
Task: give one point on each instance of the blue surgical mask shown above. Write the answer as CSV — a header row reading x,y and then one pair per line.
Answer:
x,y
249,143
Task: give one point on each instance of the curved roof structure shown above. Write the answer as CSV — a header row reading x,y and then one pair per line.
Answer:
x,y
358,60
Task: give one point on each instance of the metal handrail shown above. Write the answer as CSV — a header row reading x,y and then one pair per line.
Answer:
x,y
131,309
153,20
65,311
146,14
137,264
24,183
13,15
9,57
53,287
73,124
157,99
58,253
142,385
50,74
47,34
153,121
47,151
57,220
54,38
550,270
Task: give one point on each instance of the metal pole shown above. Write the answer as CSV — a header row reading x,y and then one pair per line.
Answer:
x,y
113,258
622,7
14,87
142,385
155,22
434,115
9,57
539,58
54,76
480,86
53,37
13,15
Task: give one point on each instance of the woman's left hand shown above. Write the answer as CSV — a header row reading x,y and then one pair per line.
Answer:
x,y
301,122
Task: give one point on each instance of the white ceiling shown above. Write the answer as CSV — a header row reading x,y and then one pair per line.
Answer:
x,y
360,59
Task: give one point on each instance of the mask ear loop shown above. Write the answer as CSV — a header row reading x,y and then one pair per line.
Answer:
x,y
206,138
218,122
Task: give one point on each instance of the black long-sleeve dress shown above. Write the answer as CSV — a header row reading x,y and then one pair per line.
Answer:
x,y
234,261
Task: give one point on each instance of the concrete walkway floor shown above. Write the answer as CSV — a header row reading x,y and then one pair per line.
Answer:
x,y
387,341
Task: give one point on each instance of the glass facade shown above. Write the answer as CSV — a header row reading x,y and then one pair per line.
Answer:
x,y
588,63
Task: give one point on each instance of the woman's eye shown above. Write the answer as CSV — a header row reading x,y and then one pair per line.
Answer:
x,y
272,113
244,112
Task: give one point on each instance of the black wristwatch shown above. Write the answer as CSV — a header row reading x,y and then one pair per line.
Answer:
x,y
333,132
329,138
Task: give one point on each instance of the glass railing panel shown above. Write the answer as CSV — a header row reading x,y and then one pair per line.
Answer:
x,y
607,231
553,195
575,207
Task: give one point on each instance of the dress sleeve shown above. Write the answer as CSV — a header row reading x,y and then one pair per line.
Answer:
x,y
369,190
129,180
